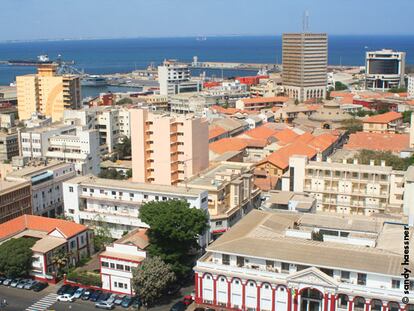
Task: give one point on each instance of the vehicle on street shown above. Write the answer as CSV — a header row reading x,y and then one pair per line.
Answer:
x,y
78,293
104,296
71,290
87,294
7,282
2,279
126,302
62,289
136,303
22,283
15,282
30,284
95,295
188,300
39,286
104,305
118,301
179,306
112,298
65,298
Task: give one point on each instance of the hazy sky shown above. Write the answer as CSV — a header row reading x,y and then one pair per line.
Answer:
x,y
34,19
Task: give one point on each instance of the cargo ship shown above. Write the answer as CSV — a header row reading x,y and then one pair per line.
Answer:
x,y
41,59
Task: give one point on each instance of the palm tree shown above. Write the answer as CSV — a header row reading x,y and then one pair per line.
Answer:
x,y
60,260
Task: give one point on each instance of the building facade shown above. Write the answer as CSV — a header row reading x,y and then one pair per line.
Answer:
x,y
347,188
384,70
15,199
269,261
47,93
9,144
92,201
46,180
167,149
305,61
410,86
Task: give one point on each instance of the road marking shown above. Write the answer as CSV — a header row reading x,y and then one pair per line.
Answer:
x,y
44,303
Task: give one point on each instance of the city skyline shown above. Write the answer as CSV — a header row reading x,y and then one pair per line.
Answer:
x,y
75,19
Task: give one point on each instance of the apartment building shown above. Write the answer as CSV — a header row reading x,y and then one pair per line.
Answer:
x,y
47,93
305,61
383,123
175,78
65,143
272,261
9,144
15,199
258,103
410,86
347,188
384,69
231,193
92,201
167,149
52,236
118,260
46,181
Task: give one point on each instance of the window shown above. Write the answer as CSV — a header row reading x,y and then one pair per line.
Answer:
x,y
131,195
72,244
120,267
345,275
71,211
127,268
203,199
219,223
395,283
270,263
92,190
105,264
362,279
157,198
70,189
240,261
285,267
164,198
145,196
101,191
112,265
225,259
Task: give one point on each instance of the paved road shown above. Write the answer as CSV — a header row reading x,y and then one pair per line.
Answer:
x,y
25,300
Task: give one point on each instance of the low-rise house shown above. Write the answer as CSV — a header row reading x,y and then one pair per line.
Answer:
x,y
383,123
258,103
393,142
119,259
52,236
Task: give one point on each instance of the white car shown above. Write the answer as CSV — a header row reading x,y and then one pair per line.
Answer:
x,y
65,298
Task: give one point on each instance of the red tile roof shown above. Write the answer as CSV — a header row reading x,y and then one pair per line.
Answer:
x,y
275,99
261,132
285,136
384,118
235,144
378,141
216,131
39,223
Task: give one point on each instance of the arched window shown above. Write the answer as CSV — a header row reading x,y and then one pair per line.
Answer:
x,y
376,305
393,306
409,308
359,304
343,301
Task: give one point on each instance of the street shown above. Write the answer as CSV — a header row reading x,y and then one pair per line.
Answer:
x,y
22,300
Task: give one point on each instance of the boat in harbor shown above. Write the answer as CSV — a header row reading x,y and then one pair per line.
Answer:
x,y
93,81
41,59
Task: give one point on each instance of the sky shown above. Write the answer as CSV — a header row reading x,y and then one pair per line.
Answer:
x,y
57,19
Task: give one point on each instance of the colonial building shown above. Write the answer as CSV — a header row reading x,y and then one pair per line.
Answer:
x,y
282,261
383,123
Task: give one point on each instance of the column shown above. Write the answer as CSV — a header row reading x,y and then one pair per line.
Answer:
x,y
325,302
196,287
289,300
367,304
384,306
273,298
333,302
215,290
258,296
243,295
200,298
228,293
351,304
402,306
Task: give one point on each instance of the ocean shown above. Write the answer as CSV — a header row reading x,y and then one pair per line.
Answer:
x,y
125,55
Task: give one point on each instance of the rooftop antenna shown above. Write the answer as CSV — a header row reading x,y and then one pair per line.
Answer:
x,y
305,21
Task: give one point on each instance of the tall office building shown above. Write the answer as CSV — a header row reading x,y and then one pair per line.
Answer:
x,y
410,86
305,61
384,69
167,149
47,93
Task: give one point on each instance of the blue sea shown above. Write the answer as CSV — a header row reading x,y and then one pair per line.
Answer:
x,y
125,55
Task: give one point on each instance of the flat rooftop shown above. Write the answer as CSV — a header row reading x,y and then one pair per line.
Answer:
x,y
35,168
93,181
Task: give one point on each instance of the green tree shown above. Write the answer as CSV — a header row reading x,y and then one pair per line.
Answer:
x,y
16,257
398,90
397,163
317,236
352,125
124,101
129,173
111,173
407,116
175,228
339,86
102,235
151,279
124,148
61,259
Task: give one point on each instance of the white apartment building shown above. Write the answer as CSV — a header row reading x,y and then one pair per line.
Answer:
x,y
175,78
65,143
91,201
347,188
274,261
410,86
118,260
47,185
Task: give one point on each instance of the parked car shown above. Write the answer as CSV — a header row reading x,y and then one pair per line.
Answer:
x,y
87,294
63,289
104,305
2,279
95,295
22,283
104,296
179,306
187,300
118,301
71,290
78,293
39,286
112,298
65,298
126,302
136,302
15,282
30,284
7,282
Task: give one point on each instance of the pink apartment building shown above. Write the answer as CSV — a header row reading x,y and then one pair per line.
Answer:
x,y
167,149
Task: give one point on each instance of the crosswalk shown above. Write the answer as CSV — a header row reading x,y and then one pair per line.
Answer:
x,y
44,303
